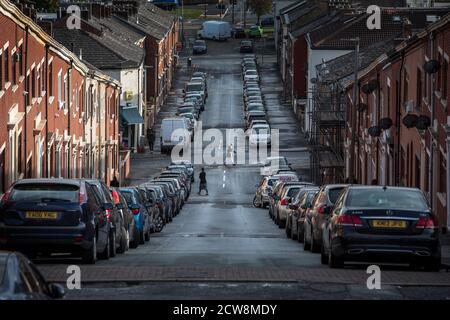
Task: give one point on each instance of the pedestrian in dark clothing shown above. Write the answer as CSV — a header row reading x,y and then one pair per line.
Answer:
x,y
203,185
150,138
115,183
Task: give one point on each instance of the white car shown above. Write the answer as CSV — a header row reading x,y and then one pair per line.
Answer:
x,y
260,134
251,75
273,164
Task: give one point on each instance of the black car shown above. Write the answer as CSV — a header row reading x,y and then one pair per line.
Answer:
x,y
246,46
21,280
131,230
45,216
295,218
156,219
382,224
239,33
118,230
163,202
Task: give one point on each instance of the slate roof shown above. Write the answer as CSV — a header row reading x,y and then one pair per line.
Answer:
x,y
104,52
343,66
116,28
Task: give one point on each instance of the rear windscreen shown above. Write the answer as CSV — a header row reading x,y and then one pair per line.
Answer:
x,y
194,87
389,198
128,196
292,192
333,194
45,192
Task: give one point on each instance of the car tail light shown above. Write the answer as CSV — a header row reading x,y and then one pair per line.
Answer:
x,y
284,202
135,211
82,195
429,222
108,214
4,198
349,220
321,209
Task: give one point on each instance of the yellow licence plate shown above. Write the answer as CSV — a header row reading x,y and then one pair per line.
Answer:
x,y
389,224
41,215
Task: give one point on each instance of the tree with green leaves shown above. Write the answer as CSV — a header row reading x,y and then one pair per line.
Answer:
x,y
48,5
260,7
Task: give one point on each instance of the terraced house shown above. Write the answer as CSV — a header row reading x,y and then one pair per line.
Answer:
x,y
59,115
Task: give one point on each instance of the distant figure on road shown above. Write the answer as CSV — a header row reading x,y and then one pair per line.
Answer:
x,y
150,138
114,182
229,160
203,184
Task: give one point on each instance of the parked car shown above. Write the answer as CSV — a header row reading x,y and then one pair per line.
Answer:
x,y
117,234
150,205
253,115
21,280
239,33
163,200
255,32
382,224
199,46
316,217
216,30
140,214
281,204
260,135
246,46
132,230
189,166
45,216
187,169
172,194
297,211
273,164
275,194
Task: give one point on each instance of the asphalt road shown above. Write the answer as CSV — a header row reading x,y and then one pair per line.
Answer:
x,y
223,231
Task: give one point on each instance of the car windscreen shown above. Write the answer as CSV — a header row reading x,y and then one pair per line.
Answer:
x,y
261,131
387,198
194,87
128,195
333,194
199,43
45,192
292,192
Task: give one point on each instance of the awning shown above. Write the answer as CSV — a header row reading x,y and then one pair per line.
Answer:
x,y
131,115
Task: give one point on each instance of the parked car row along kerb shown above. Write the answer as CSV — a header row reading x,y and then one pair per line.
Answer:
x,y
352,223
86,219
179,128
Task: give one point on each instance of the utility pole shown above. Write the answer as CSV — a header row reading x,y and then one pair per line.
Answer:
x,y
351,171
232,11
245,12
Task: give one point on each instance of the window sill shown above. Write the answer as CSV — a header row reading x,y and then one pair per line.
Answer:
x,y
21,78
2,93
66,112
51,99
39,100
33,100
444,103
7,85
14,88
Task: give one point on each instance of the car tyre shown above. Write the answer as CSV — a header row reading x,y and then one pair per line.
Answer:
x,y
147,236
136,237
89,256
105,255
288,231
433,266
293,234
256,204
299,234
315,248
112,244
141,237
333,261
306,244
323,256
124,241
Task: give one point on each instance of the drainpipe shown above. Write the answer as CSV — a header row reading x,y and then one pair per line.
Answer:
x,y
46,111
432,142
27,99
378,120
69,129
447,129
399,99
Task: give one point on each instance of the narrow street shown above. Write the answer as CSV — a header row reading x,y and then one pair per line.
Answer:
x,y
220,246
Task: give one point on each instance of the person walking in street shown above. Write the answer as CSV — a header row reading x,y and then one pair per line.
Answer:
x,y
114,182
203,184
150,138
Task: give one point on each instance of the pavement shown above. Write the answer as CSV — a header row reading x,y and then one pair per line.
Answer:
x,y
220,246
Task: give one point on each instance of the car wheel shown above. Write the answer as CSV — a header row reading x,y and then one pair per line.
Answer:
x,y
299,234
105,255
112,244
90,255
141,237
159,224
288,231
124,240
293,234
314,245
306,244
333,261
323,256
256,204
433,266
136,237
147,236
280,223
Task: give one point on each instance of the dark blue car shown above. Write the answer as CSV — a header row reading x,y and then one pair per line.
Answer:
x,y
44,216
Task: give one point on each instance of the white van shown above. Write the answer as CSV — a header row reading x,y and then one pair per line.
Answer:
x,y
170,136
216,30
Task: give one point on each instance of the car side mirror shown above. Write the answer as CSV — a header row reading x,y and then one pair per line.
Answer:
x,y
134,206
120,206
107,206
56,290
